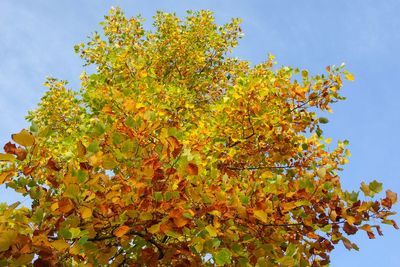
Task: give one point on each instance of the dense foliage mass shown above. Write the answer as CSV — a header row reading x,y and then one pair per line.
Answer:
x,y
175,153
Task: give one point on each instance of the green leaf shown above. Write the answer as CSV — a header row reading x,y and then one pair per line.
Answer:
x,y
375,187
223,257
65,233
168,196
291,250
286,261
117,138
93,147
158,196
82,176
83,240
99,129
34,128
323,120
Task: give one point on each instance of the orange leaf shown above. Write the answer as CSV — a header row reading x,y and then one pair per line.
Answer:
x,y
120,231
180,221
65,205
5,176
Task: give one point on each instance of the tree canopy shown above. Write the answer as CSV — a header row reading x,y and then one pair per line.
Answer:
x,y
173,152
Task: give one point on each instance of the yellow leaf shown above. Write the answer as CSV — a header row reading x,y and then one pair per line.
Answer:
x,y
215,213
54,206
7,239
211,230
5,176
6,157
129,105
321,173
24,138
23,260
86,212
366,227
145,216
120,231
96,159
155,228
60,245
349,77
109,162
350,219
289,206
261,215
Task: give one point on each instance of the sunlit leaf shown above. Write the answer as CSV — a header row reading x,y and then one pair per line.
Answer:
x,y
24,138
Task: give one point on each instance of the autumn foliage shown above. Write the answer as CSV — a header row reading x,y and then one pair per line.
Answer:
x,y
175,153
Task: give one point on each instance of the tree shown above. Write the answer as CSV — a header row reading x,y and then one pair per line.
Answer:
x,y
174,153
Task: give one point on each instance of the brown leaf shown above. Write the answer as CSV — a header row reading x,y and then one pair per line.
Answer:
x,y
65,205
81,149
371,235
126,189
158,174
175,145
150,257
10,148
192,169
391,198
395,224
170,171
21,153
379,230
85,166
51,164
53,180
350,229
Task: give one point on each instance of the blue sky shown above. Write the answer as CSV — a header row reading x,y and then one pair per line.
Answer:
x,y
37,38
